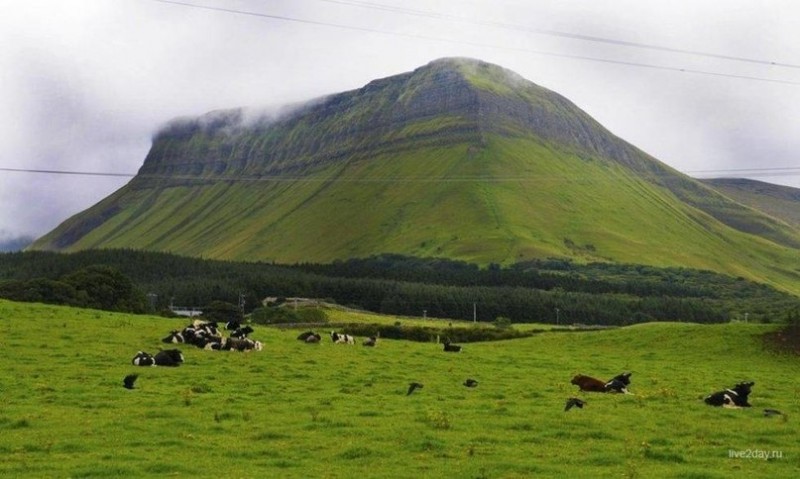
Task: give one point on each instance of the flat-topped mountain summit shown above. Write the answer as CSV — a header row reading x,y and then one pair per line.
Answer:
x,y
458,158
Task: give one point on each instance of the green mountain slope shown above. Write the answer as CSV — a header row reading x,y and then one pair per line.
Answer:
x,y
458,158
781,202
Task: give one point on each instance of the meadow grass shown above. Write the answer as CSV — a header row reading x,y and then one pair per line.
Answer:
x,y
336,411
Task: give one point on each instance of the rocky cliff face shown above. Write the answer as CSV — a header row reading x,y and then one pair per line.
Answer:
x,y
446,101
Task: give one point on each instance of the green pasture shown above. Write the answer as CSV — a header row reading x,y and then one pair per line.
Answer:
x,y
334,411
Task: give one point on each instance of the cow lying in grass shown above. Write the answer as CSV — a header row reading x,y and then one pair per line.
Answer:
x,y
617,384
241,344
241,332
589,384
143,359
169,357
451,348
339,338
309,337
735,397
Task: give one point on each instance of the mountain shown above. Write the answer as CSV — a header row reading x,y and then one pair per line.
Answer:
x,y
15,244
781,202
458,158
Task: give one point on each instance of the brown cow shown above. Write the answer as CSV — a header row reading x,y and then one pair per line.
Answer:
x,y
589,384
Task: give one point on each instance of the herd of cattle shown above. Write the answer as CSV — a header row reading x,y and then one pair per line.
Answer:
x,y
207,335
202,334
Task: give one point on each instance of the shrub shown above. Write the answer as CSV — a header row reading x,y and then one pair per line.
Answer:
x,y
283,315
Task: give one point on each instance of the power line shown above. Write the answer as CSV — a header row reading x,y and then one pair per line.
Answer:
x,y
758,172
555,33
476,44
68,172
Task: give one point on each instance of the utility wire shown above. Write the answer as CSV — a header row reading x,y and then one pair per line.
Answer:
x,y
554,33
475,44
67,172
758,172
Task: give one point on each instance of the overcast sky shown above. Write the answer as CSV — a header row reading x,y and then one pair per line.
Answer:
x,y
84,84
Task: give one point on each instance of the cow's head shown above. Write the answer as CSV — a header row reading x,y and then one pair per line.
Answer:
x,y
174,337
624,378
743,389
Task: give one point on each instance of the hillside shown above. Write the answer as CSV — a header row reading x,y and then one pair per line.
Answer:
x,y
458,159
781,202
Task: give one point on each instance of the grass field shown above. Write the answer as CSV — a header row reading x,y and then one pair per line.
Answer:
x,y
335,411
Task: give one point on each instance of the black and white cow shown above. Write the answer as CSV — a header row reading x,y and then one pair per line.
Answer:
x,y
174,337
241,332
618,384
371,341
209,342
305,335
734,398
241,344
340,338
207,327
169,357
143,359
233,325
451,348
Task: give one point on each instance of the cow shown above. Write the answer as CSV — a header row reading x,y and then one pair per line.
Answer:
x,y
208,327
339,338
143,359
174,337
233,325
735,397
451,348
304,336
169,357
371,341
310,337
209,342
241,332
589,384
241,344
618,384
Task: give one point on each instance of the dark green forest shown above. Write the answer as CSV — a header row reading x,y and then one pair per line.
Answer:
x,y
546,291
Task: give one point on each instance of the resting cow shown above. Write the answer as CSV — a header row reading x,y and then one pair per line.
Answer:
x,y
241,344
618,384
169,357
589,384
733,398
241,332
340,338
143,359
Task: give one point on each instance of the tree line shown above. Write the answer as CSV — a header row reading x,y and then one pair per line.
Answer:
x,y
547,291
